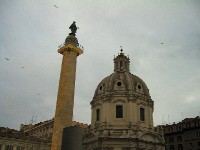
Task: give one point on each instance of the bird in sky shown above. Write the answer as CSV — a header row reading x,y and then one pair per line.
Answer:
x,y
7,59
161,43
55,6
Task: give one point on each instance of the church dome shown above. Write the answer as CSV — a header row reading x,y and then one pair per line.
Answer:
x,y
122,80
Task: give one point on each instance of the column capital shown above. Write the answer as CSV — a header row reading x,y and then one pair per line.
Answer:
x,y
70,47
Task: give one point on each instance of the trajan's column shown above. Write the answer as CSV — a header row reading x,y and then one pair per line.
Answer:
x,y
65,97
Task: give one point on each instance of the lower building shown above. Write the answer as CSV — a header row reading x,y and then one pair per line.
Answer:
x,y
184,135
44,130
11,139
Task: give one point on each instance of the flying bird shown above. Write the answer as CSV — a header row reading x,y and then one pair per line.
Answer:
x,y
161,43
7,59
55,6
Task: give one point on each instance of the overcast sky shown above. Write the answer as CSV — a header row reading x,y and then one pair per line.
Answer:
x,y
31,31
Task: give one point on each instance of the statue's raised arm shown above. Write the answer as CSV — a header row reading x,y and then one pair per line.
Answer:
x,y
73,28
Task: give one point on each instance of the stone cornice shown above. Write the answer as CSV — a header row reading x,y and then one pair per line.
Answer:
x,y
130,96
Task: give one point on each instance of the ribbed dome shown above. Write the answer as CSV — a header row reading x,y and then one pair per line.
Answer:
x,y
122,81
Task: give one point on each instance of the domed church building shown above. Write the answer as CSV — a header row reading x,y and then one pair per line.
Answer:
x,y
122,113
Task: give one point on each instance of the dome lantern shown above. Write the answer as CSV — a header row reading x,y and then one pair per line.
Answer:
x,y
121,63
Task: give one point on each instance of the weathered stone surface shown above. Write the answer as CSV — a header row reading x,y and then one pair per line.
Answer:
x,y
65,96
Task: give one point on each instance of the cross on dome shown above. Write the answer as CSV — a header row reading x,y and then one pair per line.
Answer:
x,y
121,50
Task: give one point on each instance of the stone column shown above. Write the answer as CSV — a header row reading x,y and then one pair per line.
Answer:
x,y
65,97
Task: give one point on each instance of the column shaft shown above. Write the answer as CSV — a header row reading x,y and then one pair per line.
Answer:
x,y
65,98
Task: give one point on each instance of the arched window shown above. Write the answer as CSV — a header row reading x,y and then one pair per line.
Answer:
x,y
142,114
97,114
121,65
119,111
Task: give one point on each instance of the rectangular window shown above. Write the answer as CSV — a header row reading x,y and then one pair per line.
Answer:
x,y
179,138
171,140
198,134
180,147
9,147
121,65
189,135
98,114
20,148
171,147
142,114
119,111
190,145
125,64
